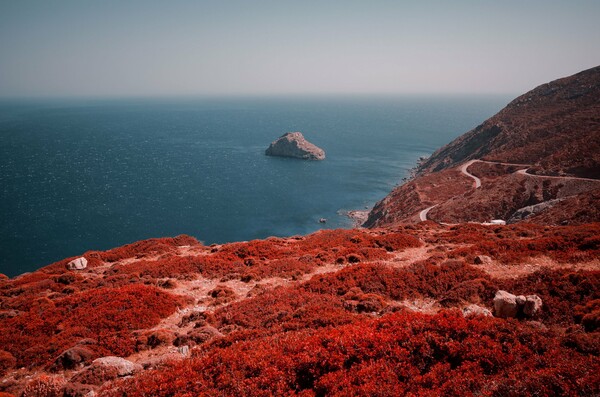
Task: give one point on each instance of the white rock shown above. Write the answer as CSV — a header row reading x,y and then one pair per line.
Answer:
x,y
475,310
184,350
509,305
505,304
77,264
124,367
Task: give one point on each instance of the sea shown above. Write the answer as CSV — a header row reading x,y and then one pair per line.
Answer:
x,y
93,174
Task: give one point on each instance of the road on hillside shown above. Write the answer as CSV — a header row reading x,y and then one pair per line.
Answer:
x,y
477,182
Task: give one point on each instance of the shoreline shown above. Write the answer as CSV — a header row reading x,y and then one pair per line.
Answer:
x,y
359,217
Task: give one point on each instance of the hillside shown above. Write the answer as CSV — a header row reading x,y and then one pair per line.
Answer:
x,y
430,300
555,128
542,151
361,312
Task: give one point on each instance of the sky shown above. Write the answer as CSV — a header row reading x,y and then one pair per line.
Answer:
x,y
130,48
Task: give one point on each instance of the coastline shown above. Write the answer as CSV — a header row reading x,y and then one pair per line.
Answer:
x,y
359,217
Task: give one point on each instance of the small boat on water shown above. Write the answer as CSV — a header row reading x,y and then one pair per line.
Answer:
x,y
322,220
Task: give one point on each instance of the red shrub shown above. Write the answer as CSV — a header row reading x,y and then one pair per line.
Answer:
x,y
561,291
7,362
107,315
403,353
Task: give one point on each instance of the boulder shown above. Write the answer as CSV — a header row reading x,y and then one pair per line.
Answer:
x,y
77,264
505,304
509,305
482,260
105,369
476,310
72,358
123,367
293,144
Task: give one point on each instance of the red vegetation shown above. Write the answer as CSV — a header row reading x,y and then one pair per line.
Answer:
x,y
589,315
515,244
398,354
345,332
258,259
282,309
107,316
450,279
561,291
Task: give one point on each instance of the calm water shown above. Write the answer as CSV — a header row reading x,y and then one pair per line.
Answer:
x,y
96,174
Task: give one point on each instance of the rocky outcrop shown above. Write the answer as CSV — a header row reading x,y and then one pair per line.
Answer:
x,y
103,370
530,210
77,264
293,144
121,366
508,305
72,358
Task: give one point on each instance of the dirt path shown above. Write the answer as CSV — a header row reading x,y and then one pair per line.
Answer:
x,y
524,172
423,214
463,169
477,182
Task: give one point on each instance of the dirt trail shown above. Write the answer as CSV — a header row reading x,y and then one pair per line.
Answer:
x,y
477,182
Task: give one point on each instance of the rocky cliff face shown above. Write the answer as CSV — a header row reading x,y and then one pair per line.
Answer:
x,y
293,144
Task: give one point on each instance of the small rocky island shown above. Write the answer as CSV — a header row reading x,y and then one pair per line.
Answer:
x,y
293,144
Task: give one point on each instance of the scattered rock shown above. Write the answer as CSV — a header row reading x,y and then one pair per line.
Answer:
x,y
505,304
509,305
73,358
123,367
184,350
293,144
476,310
532,306
105,369
482,260
526,212
77,264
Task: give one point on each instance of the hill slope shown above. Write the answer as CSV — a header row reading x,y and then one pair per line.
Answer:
x,y
540,152
554,127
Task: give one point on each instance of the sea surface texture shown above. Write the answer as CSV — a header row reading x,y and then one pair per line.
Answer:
x,y
78,175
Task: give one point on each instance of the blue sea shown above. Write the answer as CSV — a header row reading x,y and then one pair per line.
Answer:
x,y
78,175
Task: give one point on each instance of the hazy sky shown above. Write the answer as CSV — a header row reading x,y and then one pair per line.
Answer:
x,y
142,48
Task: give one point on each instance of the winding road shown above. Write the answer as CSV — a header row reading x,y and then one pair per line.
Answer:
x,y
477,181
423,214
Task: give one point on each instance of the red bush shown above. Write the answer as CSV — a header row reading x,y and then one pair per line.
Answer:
x,y
403,353
107,315
561,291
